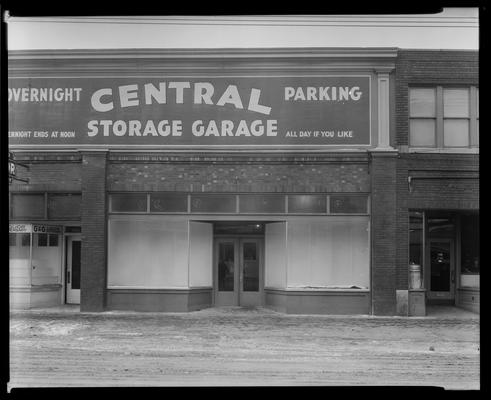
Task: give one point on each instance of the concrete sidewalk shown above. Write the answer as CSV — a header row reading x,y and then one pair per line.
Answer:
x,y
237,346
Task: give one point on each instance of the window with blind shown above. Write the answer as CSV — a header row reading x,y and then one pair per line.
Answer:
x,y
444,117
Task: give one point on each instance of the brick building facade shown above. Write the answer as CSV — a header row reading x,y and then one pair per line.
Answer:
x,y
337,235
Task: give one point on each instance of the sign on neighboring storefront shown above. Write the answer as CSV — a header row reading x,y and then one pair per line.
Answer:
x,y
20,228
198,111
35,228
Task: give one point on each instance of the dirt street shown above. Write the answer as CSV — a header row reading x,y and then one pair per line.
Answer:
x,y
235,346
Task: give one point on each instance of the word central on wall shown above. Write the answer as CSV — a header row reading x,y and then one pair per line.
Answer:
x,y
211,111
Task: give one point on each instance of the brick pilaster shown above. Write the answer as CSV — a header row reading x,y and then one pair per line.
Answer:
x,y
94,237
383,179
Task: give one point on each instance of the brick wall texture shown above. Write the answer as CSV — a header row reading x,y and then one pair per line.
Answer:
x,y
93,219
383,174
262,176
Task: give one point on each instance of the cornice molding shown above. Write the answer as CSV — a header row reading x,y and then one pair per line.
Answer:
x,y
112,62
207,54
444,19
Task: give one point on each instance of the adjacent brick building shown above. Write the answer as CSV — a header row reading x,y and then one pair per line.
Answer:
x,y
298,225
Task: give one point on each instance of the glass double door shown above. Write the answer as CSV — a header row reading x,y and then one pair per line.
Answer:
x,y
238,272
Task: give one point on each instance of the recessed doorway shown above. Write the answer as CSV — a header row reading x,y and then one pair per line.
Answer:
x,y
238,272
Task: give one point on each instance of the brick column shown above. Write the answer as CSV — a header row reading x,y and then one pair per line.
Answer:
x,y
384,240
94,237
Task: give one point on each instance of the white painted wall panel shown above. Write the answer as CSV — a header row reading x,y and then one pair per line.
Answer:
x,y
200,254
148,252
328,252
275,255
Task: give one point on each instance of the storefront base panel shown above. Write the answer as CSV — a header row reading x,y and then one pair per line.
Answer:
x,y
318,302
468,299
160,300
42,296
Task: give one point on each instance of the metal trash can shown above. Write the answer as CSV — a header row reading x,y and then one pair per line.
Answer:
x,y
414,276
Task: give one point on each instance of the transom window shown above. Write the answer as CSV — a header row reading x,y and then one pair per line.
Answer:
x,y
444,117
243,203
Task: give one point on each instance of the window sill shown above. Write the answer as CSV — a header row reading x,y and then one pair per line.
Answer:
x,y
455,150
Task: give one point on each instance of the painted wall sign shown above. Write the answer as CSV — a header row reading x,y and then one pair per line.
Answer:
x,y
205,111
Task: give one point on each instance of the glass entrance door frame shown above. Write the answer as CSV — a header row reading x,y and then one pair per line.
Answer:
x,y
238,296
71,296
434,294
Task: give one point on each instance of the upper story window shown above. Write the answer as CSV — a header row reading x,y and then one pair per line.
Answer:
x,y
444,117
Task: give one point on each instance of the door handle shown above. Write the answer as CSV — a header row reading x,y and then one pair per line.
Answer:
x,y
68,276
453,276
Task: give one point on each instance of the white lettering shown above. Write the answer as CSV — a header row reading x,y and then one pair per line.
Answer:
x,y
92,125
355,93
128,95
311,93
197,128
203,92
242,129
150,128
231,96
289,92
299,94
227,127
254,103
157,94
96,100
179,86
119,128
134,127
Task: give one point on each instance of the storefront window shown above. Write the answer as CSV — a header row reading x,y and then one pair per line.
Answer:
x,y
19,259
42,239
416,237
25,239
470,256
12,239
46,259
